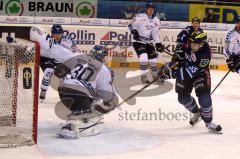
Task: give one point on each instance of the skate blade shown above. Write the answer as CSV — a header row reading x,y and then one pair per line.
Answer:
x,y
216,132
42,100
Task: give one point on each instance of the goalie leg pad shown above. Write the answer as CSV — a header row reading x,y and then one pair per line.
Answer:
x,y
81,128
74,100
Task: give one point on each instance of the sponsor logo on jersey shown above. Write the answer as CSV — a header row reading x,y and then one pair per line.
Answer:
x,y
27,78
114,38
204,62
82,37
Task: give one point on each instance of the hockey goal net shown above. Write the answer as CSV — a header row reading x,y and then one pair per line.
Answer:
x,y
19,73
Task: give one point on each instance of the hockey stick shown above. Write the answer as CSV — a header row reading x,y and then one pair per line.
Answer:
x,y
220,82
146,86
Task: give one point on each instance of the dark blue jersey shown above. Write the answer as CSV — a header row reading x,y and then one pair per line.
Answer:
x,y
195,63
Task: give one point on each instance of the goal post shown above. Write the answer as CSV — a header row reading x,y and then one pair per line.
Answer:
x,y
19,80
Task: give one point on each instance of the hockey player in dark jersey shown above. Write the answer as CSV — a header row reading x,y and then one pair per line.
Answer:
x,y
193,72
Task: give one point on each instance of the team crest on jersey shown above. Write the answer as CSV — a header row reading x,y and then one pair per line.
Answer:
x,y
204,62
193,57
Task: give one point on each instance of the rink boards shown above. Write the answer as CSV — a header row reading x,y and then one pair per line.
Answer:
x,y
119,41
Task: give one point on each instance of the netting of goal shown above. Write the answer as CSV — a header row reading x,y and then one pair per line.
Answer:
x,y
19,73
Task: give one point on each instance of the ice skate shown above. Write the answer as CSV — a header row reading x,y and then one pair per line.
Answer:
x,y
144,79
214,128
196,118
158,81
42,94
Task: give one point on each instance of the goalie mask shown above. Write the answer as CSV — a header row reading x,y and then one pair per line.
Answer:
x,y
197,40
99,52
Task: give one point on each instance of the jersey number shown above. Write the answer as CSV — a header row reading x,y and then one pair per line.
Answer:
x,y
81,72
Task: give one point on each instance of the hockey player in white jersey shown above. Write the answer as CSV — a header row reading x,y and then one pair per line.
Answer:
x,y
86,87
145,28
232,48
48,64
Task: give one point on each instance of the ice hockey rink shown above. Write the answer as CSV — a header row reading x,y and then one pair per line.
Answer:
x,y
135,132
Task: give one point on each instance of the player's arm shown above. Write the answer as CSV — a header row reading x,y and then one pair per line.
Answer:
x,y
106,91
156,35
133,26
228,47
182,38
233,60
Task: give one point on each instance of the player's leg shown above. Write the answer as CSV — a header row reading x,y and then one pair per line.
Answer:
x,y
184,89
152,59
202,87
143,60
48,69
77,96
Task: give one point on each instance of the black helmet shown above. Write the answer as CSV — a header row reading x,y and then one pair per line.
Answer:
x,y
198,37
57,29
237,20
150,5
196,19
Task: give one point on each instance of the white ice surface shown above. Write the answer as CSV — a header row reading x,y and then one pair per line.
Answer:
x,y
141,139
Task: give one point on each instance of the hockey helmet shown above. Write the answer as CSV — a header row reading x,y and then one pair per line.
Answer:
x,y
196,19
237,20
99,52
198,37
57,29
150,5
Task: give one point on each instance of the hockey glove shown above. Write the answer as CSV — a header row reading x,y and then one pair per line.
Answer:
x,y
178,56
61,71
159,47
233,63
167,71
135,34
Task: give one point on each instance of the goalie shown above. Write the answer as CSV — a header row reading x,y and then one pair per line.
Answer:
x,y
86,88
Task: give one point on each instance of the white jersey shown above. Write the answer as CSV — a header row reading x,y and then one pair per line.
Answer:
x,y
148,28
94,75
232,42
65,42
